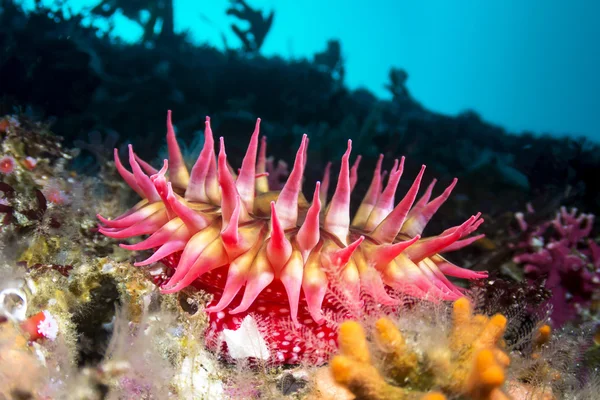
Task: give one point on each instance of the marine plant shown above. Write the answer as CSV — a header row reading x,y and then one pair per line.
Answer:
x,y
302,265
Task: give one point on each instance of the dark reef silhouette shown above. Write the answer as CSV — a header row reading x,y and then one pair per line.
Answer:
x,y
57,68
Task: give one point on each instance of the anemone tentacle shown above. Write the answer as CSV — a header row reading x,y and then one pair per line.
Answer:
x,y
252,238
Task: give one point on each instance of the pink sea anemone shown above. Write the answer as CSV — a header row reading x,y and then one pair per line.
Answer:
x,y
7,165
271,255
30,163
55,194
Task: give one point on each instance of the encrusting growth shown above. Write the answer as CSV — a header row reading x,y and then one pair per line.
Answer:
x,y
270,254
473,363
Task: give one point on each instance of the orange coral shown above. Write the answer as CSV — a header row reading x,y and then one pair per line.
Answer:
x,y
472,364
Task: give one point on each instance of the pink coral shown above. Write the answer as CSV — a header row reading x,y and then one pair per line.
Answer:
x,y
561,251
272,256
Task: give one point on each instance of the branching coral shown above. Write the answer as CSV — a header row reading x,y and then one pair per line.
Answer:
x,y
471,365
561,251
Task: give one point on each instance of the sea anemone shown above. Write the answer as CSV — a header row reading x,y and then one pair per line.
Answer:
x,y
220,231
7,165
30,163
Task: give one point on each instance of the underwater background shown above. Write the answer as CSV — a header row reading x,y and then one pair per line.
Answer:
x,y
501,95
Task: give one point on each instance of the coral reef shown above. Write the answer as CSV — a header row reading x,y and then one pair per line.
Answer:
x,y
81,317
78,320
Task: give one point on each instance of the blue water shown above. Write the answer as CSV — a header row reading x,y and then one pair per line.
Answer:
x,y
526,65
